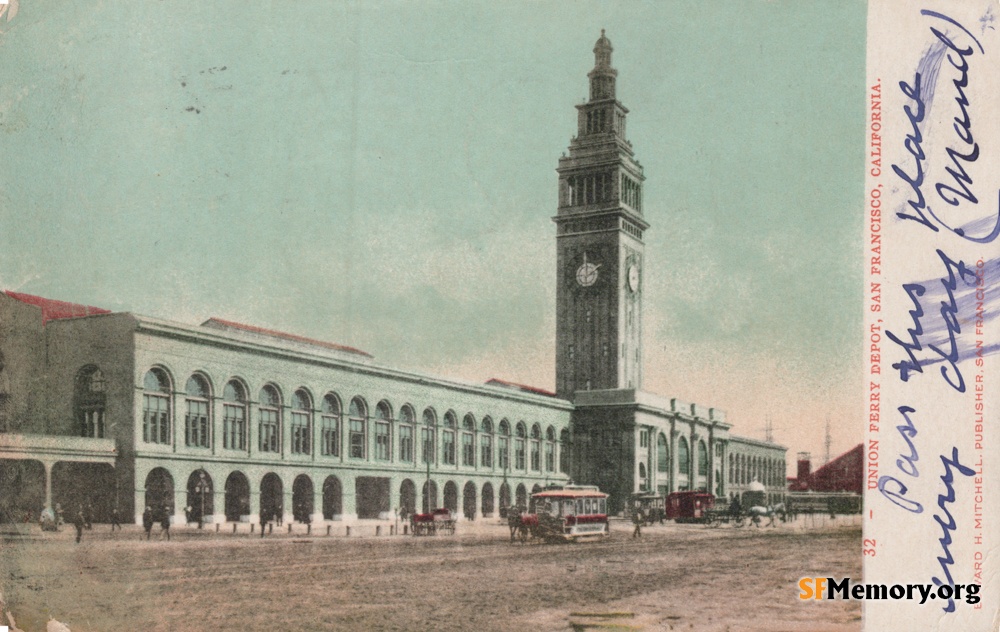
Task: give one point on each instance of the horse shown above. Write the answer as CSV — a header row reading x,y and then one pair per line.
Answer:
x,y
757,512
517,525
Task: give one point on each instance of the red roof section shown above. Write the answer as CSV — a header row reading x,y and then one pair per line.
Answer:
x,y
520,387
228,324
55,310
842,474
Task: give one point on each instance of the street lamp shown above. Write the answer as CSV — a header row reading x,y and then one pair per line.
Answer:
x,y
201,488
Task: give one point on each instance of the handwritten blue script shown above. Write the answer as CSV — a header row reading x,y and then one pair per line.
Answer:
x,y
957,189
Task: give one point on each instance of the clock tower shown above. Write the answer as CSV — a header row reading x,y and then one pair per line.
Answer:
x,y
599,246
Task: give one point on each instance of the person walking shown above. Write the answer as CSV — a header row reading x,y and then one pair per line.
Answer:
x,y
165,524
637,520
147,522
114,519
263,523
79,521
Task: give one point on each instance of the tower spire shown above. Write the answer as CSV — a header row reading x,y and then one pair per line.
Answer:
x,y
602,77
600,247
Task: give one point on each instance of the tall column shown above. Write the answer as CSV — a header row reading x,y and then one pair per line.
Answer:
x,y
317,513
287,510
218,505
711,461
693,461
180,503
674,463
47,465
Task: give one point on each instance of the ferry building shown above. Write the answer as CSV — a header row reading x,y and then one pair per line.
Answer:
x,y
227,421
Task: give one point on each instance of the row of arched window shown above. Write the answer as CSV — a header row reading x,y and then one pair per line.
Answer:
x,y
683,456
363,434
744,469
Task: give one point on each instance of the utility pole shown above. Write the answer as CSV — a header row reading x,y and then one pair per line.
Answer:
x,y
826,456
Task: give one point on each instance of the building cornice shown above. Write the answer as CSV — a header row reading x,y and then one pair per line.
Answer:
x,y
334,360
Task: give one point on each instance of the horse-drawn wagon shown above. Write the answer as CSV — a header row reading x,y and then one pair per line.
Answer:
x,y
438,521
718,517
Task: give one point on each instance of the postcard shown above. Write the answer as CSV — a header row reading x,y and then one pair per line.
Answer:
x,y
480,316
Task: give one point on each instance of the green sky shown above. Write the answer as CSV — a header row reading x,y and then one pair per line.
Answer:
x,y
382,175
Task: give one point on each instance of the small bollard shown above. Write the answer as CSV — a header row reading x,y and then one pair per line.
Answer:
x,y
234,527
348,531
309,529
392,530
270,528
251,528
405,529
328,528
378,530
289,527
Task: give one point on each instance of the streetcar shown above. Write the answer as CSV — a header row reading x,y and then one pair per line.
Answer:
x,y
568,513
689,506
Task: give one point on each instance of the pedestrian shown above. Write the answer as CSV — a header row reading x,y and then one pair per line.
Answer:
x,y
637,520
165,524
79,521
147,522
114,519
278,516
187,515
263,523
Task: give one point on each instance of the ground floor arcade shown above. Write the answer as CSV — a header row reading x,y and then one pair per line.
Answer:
x,y
216,492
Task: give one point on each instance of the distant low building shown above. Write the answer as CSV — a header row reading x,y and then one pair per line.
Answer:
x,y
843,474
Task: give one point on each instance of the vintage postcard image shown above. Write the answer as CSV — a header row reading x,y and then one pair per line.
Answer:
x,y
475,316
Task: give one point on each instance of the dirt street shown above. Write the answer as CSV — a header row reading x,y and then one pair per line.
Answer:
x,y
676,577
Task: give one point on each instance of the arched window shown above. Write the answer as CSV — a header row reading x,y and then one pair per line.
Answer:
x,y
486,443
427,435
90,402
448,439
406,420
383,419
156,407
503,445
197,429
550,449
662,454
234,416
642,471
702,459
468,441
519,446
564,451
301,422
683,456
730,478
536,448
358,428
270,419
330,418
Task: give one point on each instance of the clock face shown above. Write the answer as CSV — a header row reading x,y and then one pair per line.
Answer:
x,y
586,274
633,278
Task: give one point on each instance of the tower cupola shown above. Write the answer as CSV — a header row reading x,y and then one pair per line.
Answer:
x,y
602,77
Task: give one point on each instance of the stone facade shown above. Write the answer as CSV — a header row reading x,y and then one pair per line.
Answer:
x,y
230,422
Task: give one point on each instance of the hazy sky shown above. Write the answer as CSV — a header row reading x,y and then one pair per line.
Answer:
x,y
383,175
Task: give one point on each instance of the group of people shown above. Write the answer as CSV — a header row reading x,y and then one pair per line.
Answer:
x,y
148,520
52,519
